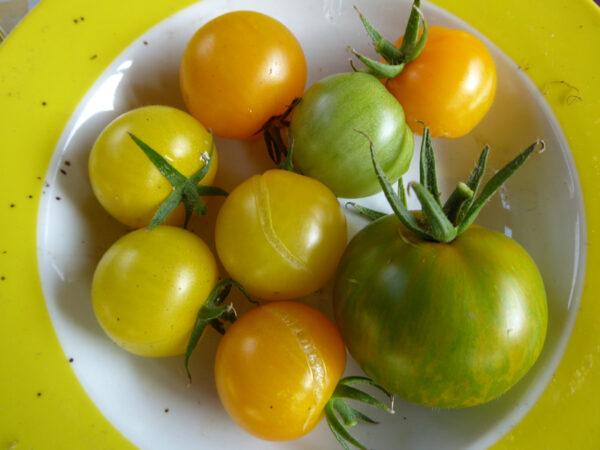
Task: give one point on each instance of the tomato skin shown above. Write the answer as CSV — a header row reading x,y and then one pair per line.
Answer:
x,y
124,180
443,325
280,235
148,287
239,70
327,146
276,367
450,86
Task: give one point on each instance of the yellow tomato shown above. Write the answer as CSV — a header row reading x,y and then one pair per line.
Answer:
x,y
276,368
126,182
148,287
280,235
239,70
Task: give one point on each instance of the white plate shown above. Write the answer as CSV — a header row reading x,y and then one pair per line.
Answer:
x,y
149,400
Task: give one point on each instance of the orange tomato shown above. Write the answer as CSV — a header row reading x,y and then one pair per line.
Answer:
x,y
276,368
450,86
239,70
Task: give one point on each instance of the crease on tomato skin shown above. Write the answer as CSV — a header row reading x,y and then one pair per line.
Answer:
x,y
314,361
263,210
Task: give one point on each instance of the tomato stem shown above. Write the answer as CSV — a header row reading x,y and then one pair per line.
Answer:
x,y
461,199
444,224
440,228
412,44
186,190
288,162
427,172
395,58
456,204
372,214
337,406
398,206
274,130
494,184
213,312
369,213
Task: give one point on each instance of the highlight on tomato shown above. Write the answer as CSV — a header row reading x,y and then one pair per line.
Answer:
x,y
280,235
132,183
278,371
443,77
437,310
239,70
149,286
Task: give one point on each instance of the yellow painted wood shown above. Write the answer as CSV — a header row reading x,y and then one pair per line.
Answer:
x,y
42,405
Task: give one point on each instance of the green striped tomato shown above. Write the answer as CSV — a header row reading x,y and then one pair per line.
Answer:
x,y
443,325
326,145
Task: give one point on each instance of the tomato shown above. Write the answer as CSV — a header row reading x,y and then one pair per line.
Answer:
x,y
327,146
126,182
276,367
148,287
239,70
280,235
450,86
437,310
444,325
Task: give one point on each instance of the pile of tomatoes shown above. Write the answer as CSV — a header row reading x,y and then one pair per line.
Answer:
x,y
281,235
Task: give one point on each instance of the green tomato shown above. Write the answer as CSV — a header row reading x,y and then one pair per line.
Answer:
x,y
443,325
149,286
326,144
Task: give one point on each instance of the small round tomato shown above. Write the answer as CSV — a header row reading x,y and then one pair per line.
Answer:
x,y
148,287
326,144
239,70
450,86
280,235
276,368
126,183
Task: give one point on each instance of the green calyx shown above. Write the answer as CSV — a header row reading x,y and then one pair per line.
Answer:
x,y
443,223
213,313
288,162
395,58
337,406
186,190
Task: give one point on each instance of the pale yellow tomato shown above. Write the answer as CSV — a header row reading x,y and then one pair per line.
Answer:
x,y
126,182
148,287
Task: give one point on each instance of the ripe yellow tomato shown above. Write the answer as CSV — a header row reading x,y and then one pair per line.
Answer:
x,y
280,235
239,70
126,182
148,287
276,368
450,86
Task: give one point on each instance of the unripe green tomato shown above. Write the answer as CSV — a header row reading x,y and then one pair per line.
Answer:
x,y
328,147
443,325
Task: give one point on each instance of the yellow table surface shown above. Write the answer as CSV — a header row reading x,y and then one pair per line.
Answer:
x,y
45,69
